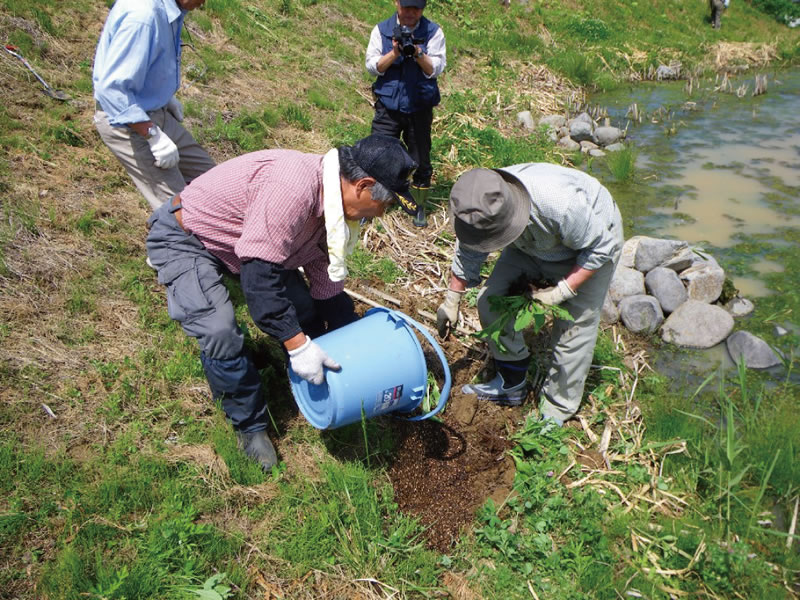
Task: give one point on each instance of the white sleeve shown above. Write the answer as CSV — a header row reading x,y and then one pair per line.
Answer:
x,y
374,52
437,52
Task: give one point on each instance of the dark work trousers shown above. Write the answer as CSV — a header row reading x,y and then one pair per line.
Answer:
x,y
415,131
198,299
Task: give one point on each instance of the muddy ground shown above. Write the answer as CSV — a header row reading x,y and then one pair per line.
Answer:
x,y
444,469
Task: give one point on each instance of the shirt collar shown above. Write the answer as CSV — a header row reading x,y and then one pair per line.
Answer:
x,y
174,12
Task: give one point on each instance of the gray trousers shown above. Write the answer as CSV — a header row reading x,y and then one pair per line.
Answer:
x,y
717,8
156,185
571,342
198,299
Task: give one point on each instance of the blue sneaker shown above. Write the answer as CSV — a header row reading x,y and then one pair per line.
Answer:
x,y
495,391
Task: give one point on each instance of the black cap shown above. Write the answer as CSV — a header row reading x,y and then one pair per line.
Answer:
x,y
414,3
384,158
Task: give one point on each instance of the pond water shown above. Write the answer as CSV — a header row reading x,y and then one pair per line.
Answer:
x,y
722,172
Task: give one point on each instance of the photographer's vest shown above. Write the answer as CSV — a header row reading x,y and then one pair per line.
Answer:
x,y
404,86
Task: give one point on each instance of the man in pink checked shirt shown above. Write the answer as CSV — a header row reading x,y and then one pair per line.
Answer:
x,y
263,216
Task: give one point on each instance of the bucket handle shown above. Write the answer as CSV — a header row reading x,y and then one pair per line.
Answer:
x,y
445,393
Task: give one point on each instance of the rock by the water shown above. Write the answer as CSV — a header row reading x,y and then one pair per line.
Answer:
x,y
569,144
525,119
555,122
596,152
580,130
695,324
628,256
780,331
667,288
609,314
739,307
625,282
756,352
641,313
652,252
606,136
704,281
668,72
615,147
701,257
586,118
683,259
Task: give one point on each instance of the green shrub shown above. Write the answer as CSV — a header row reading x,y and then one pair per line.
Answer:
x,y
587,28
783,10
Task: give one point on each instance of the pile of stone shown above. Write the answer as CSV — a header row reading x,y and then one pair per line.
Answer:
x,y
580,133
668,287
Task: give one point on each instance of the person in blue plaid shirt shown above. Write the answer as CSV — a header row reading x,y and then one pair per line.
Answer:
x,y
552,223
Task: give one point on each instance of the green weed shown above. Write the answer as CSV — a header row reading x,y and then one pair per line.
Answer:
x,y
577,66
249,131
320,99
622,163
525,313
587,28
363,264
296,115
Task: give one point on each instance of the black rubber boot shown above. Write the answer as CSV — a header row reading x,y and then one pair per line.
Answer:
x,y
257,446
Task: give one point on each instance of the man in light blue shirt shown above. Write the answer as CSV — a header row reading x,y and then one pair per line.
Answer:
x,y
136,74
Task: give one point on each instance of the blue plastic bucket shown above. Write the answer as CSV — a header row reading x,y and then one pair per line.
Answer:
x,y
383,371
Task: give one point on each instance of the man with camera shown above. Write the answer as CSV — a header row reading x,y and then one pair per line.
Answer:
x,y
406,53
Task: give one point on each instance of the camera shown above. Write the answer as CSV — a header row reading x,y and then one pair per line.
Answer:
x,y
405,39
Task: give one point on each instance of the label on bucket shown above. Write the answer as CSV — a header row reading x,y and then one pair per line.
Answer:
x,y
389,398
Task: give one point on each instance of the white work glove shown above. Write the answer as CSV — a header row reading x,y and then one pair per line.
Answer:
x,y
175,108
309,359
164,150
555,295
447,314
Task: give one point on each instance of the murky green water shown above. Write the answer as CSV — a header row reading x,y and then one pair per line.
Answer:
x,y
722,172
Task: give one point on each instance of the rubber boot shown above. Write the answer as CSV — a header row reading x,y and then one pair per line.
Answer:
x,y
420,193
508,388
258,447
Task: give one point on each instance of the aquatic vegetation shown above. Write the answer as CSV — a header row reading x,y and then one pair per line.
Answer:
x,y
622,163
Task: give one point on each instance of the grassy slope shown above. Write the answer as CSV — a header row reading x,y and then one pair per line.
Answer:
x,y
124,494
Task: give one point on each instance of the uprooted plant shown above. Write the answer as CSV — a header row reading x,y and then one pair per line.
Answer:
x,y
524,311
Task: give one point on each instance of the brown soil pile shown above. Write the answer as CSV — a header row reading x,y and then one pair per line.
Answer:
x,y
443,472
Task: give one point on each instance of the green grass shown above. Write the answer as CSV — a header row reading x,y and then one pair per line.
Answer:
x,y
353,525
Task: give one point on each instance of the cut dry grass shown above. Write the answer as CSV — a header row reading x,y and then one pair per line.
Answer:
x,y
726,56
